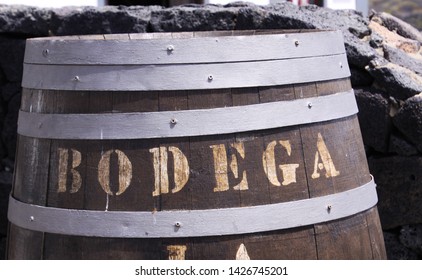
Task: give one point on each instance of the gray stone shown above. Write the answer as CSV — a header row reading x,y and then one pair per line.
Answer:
x,y
374,119
411,237
359,52
401,147
11,57
401,58
24,20
395,249
408,120
5,188
204,18
360,78
2,248
8,90
399,189
398,81
103,20
9,131
397,25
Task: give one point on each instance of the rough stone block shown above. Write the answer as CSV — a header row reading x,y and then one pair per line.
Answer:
x,y
374,119
395,249
103,20
397,25
408,120
5,188
401,58
359,52
411,237
397,81
399,189
11,57
9,132
400,146
24,20
188,18
9,90
360,78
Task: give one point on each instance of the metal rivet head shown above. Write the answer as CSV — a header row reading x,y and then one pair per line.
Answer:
x,y
45,52
173,121
341,65
177,224
297,43
210,78
76,78
310,105
170,48
329,208
31,218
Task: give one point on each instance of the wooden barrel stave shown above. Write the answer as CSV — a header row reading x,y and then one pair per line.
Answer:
x,y
355,237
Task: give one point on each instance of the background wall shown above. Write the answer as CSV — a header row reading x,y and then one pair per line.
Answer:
x,y
384,54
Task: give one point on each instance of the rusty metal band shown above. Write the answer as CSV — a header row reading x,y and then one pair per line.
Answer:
x,y
146,49
192,223
185,76
188,122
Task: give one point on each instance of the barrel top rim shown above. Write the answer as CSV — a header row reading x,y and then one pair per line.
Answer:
x,y
181,35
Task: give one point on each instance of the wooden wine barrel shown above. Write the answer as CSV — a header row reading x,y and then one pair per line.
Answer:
x,y
203,145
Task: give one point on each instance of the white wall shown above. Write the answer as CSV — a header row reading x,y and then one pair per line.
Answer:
x,y
52,3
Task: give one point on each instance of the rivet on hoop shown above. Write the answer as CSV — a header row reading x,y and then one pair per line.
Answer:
x,y
170,48
31,218
297,43
341,65
45,52
173,121
329,208
210,78
76,79
177,224
310,105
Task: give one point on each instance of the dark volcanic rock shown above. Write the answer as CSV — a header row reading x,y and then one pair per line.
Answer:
x,y
374,119
409,120
359,53
205,18
403,59
398,81
411,237
11,57
400,146
9,90
104,20
397,25
5,188
396,250
360,78
399,189
9,132
24,21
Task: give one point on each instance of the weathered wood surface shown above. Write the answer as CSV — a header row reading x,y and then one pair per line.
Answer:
x,y
189,173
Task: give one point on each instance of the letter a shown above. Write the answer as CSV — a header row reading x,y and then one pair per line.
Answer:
x,y
327,162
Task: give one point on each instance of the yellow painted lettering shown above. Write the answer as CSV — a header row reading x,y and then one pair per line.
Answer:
x,y
327,163
63,166
221,167
160,162
269,163
176,252
125,172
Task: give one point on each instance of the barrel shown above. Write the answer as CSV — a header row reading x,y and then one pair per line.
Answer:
x,y
196,145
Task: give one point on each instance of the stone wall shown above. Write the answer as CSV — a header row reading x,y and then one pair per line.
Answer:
x,y
384,54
